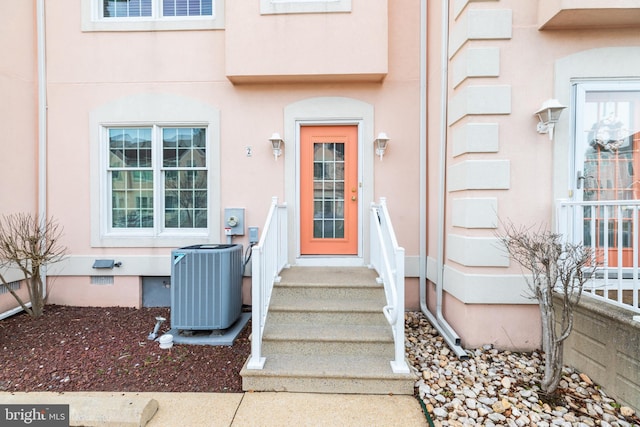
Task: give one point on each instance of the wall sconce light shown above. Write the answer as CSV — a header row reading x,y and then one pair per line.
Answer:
x,y
548,115
106,263
276,145
381,144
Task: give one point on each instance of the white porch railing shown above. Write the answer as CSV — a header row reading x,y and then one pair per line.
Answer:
x,y
269,257
610,228
387,258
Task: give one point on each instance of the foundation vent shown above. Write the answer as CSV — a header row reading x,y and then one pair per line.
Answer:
x,y
102,280
14,286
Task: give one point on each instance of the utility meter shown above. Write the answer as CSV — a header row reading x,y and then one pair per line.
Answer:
x,y
234,221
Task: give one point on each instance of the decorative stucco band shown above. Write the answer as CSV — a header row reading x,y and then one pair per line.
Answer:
x,y
459,5
479,175
475,62
475,138
268,7
487,288
132,265
148,265
482,288
480,100
476,251
480,24
475,212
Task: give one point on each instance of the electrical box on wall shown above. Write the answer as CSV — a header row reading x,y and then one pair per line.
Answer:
x,y
253,235
234,221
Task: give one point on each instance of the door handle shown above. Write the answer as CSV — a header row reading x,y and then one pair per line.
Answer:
x,y
353,198
580,179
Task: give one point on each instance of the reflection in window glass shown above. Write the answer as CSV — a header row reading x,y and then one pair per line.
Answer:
x,y
187,8
134,180
608,139
144,8
610,125
184,160
328,193
126,8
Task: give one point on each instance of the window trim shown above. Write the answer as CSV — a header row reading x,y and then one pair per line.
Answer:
x,y
92,20
271,7
146,110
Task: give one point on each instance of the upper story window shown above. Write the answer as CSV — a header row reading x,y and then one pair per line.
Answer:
x,y
145,8
126,8
152,15
187,8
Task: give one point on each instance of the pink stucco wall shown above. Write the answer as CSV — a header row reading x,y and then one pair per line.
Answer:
x,y
18,111
378,64
8,302
78,290
88,70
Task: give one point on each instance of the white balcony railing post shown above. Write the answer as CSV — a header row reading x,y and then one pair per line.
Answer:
x,y
610,228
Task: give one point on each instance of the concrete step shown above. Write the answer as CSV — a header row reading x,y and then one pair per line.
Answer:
x,y
325,333
328,339
327,374
331,291
290,309
330,283
353,276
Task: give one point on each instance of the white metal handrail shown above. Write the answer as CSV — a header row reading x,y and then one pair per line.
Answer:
x,y
610,228
269,257
387,258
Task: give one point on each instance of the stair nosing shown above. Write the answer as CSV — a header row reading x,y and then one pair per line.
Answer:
x,y
329,333
285,303
302,366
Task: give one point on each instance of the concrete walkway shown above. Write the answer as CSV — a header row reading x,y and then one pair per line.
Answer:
x,y
232,409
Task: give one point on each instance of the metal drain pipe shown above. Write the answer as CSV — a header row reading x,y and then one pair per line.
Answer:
x,y
438,321
42,138
42,126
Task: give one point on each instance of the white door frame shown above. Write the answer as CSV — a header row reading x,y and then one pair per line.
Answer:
x,y
328,111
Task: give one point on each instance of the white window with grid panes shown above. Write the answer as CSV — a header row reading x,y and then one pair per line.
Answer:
x,y
151,15
155,8
157,179
155,172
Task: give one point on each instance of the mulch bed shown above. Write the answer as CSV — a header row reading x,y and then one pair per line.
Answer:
x,y
106,349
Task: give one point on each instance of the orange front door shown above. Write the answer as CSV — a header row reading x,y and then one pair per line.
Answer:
x,y
329,190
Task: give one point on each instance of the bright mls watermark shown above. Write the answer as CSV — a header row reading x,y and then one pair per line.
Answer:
x,y
34,415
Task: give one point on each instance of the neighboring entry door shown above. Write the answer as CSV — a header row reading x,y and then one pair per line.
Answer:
x,y
608,163
329,190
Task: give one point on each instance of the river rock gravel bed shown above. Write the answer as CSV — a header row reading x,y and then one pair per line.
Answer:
x,y
493,388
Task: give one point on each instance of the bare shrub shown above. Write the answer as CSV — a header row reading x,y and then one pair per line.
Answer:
x,y
556,267
29,244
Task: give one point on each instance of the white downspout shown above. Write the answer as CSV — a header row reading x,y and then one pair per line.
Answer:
x,y
42,123
438,321
42,136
